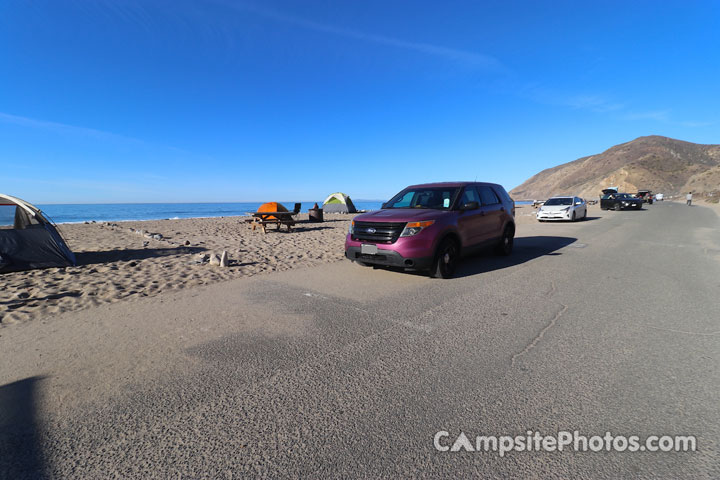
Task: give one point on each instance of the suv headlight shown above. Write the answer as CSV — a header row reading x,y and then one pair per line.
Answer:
x,y
351,228
413,228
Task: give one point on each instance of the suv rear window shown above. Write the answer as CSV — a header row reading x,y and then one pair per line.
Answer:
x,y
7,215
487,195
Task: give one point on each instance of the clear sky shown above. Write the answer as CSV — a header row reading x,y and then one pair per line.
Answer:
x,y
222,100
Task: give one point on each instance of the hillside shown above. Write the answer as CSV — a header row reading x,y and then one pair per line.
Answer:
x,y
656,163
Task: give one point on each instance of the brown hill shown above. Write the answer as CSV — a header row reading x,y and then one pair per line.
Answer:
x,y
660,164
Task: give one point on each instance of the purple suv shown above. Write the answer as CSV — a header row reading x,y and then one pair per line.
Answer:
x,y
430,226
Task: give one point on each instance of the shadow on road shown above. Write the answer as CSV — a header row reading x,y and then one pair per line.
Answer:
x,y
20,447
526,249
565,222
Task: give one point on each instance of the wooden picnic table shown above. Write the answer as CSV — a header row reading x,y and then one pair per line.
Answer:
x,y
262,219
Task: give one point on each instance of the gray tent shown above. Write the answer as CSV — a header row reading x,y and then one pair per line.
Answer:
x,y
32,241
338,203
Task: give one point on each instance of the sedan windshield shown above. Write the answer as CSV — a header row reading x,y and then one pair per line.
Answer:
x,y
437,198
559,201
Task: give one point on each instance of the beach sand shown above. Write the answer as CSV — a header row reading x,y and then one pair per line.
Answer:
x,y
116,263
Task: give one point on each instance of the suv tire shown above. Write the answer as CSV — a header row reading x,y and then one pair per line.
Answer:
x,y
446,259
505,247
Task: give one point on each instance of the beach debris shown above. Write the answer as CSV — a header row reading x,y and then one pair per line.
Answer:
x,y
214,259
200,258
157,236
187,242
146,243
224,259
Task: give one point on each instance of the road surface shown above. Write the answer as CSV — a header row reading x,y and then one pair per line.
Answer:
x,y
608,325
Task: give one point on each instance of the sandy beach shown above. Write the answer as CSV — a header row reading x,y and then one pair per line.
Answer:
x,y
117,261
122,261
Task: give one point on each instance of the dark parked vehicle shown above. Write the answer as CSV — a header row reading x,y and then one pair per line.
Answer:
x,y
430,226
645,195
620,201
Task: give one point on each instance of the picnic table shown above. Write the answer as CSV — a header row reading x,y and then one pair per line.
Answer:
x,y
262,219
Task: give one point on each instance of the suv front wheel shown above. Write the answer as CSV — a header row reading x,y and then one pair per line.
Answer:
x,y
445,259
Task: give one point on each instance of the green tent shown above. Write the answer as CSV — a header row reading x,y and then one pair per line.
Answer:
x,y
338,203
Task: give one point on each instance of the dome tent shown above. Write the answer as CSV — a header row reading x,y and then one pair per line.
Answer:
x,y
272,207
32,242
338,203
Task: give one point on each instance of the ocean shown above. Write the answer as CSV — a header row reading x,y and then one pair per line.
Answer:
x,y
117,212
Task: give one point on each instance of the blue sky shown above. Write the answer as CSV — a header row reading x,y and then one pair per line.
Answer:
x,y
221,100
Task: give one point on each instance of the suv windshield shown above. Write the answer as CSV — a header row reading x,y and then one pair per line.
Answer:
x,y
559,201
438,198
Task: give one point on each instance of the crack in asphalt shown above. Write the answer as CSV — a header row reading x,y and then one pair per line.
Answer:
x,y
539,336
710,334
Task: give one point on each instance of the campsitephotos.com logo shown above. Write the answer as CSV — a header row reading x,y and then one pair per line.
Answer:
x,y
534,441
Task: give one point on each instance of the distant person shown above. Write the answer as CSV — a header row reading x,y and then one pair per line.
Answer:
x,y
689,198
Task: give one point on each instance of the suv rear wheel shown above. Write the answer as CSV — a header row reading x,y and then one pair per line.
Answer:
x,y
507,240
445,259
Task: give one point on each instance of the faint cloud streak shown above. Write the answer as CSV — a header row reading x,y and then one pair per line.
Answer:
x,y
472,59
657,115
64,128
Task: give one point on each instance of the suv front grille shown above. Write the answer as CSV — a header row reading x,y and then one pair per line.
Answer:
x,y
378,232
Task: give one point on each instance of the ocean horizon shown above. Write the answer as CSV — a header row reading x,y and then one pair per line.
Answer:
x,y
119,212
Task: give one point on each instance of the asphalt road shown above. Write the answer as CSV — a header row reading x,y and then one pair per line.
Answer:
x,y
612,324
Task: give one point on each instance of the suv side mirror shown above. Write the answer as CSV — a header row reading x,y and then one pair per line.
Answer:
x,y
470,206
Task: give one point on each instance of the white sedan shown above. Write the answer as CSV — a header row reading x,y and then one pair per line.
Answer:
x,y
563,208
